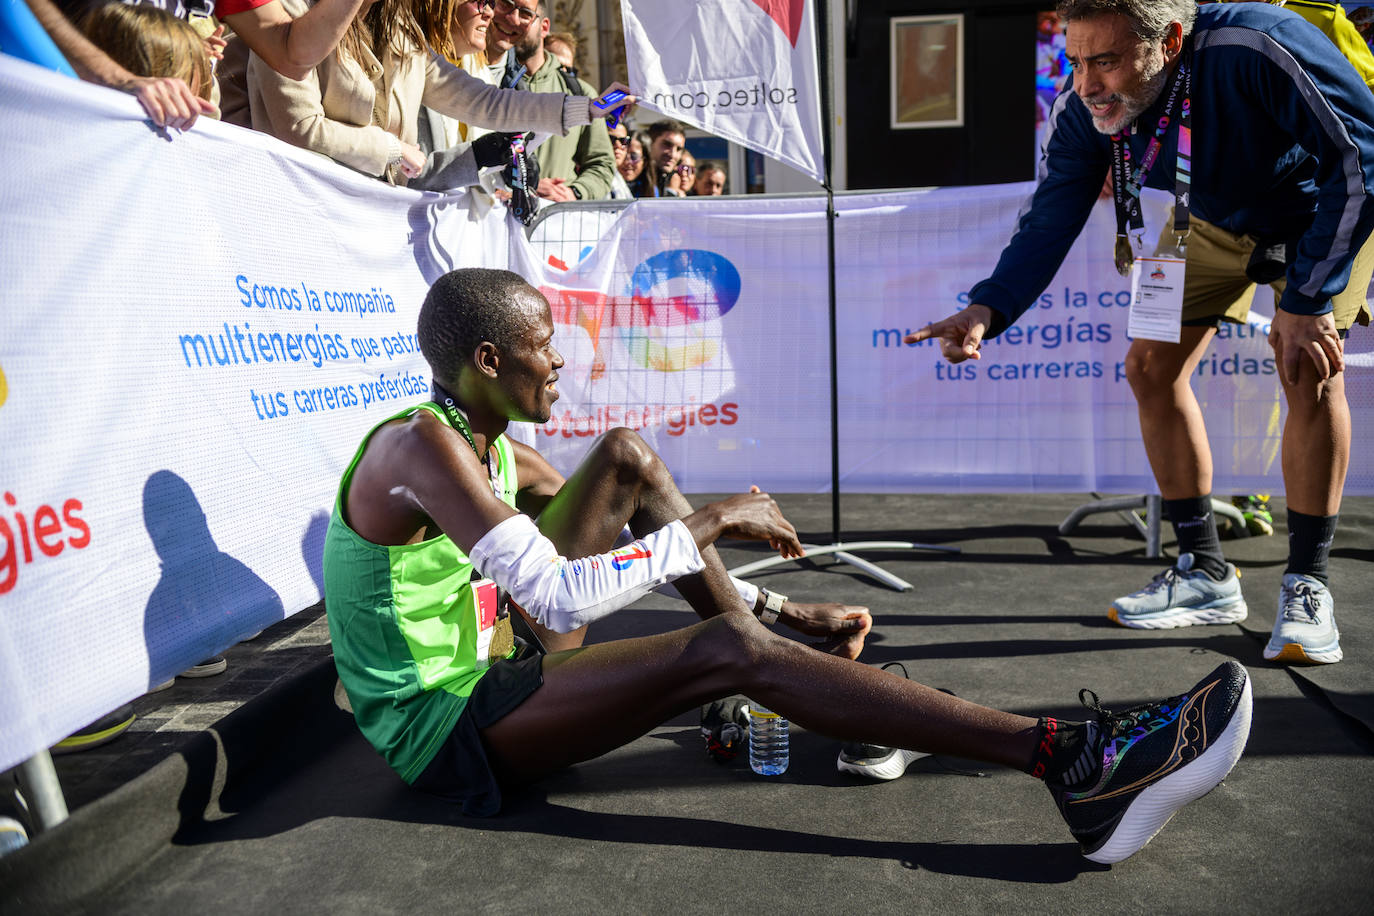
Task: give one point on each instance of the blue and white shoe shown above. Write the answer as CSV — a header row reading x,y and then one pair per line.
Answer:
x,y
1305,629
1182,597
1154,759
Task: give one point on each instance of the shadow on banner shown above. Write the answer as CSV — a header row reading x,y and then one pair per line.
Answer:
x,y
205,600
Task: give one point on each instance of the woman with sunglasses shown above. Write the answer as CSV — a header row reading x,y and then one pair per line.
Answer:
x,y
448,142
361,105
620,146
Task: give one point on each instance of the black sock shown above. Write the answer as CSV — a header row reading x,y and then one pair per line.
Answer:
x,y
1309,543
1196,529
1065,752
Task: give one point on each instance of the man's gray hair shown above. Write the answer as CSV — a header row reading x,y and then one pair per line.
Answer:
x,y
1149,19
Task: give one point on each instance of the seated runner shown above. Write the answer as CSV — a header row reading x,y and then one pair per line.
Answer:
x,y
439,508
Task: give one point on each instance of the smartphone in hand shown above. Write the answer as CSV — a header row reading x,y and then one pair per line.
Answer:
x,y
609,100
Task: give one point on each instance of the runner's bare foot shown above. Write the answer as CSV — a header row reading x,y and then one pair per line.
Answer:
x,y
844,625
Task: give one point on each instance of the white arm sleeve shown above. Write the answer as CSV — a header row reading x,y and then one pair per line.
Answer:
x,y
565,594
747,590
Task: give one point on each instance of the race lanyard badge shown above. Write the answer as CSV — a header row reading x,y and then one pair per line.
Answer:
x,y
1156,298
1156,282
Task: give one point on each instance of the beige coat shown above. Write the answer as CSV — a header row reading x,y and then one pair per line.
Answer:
x,y
342,108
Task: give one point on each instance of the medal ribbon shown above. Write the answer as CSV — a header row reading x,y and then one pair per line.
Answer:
x,y
502,639
1126,184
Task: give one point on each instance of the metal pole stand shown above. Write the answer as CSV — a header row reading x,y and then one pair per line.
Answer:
x,y
842,550
1154,515
42,791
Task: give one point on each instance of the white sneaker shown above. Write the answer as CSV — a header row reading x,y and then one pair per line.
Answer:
x,y
1182,597
1305,630
874,760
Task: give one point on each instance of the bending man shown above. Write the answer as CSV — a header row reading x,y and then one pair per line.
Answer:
x,y
1278,191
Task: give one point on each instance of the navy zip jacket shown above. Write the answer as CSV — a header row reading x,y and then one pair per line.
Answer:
x,y
1283,148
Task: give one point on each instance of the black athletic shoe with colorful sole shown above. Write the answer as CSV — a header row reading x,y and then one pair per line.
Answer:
x,y
1156,758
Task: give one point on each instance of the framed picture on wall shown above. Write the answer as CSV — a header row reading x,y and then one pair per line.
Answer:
x,y
927,71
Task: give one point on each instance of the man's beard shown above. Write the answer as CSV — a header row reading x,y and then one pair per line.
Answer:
x,y
1135,104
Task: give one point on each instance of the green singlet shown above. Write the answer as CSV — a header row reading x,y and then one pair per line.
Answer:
x,y
403,625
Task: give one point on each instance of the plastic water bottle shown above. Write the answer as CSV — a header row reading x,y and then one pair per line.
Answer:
x,y
768,753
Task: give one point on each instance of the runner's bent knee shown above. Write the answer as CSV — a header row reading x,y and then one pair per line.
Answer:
x,y
629,455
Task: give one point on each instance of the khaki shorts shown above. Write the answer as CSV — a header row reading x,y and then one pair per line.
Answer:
x,y
1216,287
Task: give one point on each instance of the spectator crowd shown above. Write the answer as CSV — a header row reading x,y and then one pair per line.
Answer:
x,y
425,93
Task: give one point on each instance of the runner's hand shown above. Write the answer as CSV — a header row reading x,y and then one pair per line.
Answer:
x,y
960,335
752,516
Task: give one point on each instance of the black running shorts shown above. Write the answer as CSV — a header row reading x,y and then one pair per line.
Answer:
x,y
460,771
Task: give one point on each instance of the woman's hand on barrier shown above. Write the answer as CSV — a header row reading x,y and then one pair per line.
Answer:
x,y
169,102
412,159
960,335
554,189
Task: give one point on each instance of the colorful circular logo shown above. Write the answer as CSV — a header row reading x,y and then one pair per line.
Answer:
x,y
678,296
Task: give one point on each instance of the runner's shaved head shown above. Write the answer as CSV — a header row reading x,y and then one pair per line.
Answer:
x,y
466,307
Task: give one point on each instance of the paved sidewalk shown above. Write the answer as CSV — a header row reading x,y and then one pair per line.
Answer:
x,y
167,717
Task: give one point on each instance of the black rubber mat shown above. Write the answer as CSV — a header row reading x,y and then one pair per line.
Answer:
x,y
283,807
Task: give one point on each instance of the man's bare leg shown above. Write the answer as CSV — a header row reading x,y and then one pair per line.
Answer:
x,y
1316,441
600,697
1171,424
622,481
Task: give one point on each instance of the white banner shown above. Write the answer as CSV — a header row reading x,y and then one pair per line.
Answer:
x,y
195,333
744,70
706,322
696,322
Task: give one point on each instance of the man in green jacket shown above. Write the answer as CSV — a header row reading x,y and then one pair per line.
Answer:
x,y
580,165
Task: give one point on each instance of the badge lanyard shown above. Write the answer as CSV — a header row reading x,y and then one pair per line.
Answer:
x,y
459,421
496,640
1126,184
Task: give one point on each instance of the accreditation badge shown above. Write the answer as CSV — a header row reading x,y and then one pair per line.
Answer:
x,y
1156,299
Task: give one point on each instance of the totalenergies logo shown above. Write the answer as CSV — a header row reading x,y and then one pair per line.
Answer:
x,y
662,318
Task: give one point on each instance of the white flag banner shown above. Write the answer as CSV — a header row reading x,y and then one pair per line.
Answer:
x,y
744,70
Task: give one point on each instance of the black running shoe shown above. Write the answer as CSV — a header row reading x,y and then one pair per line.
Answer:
x,y
1156,758
725,727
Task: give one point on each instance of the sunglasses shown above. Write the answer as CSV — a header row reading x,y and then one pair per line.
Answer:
x,y
620,141
686,169
483,4
635,157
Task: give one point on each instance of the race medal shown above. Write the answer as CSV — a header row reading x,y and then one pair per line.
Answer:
x,y
502,638
1124,256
